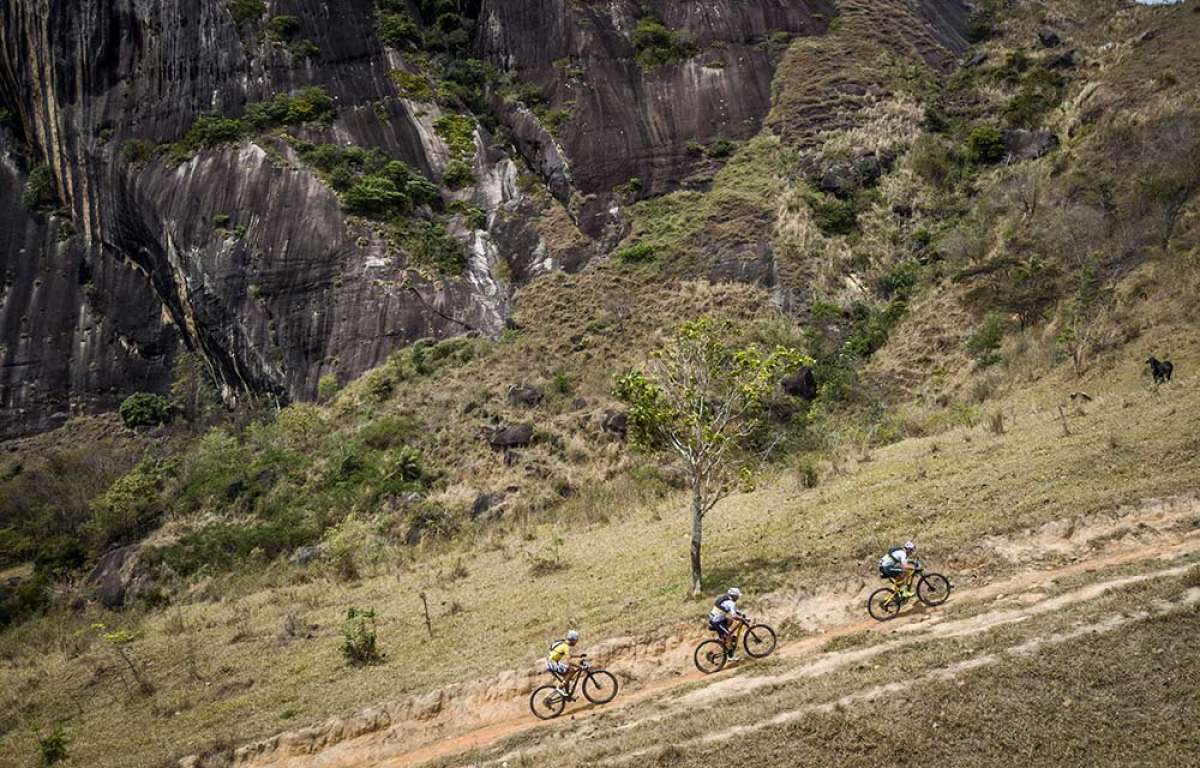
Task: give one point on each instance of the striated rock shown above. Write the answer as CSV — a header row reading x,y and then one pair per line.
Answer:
x,y
1021,145
517,436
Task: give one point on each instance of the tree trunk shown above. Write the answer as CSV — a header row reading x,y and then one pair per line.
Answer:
x,y
697,531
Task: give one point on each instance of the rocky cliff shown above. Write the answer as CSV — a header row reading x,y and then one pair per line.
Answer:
x,y
242,246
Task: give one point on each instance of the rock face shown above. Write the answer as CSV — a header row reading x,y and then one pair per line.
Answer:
x,y
98,301
1020,145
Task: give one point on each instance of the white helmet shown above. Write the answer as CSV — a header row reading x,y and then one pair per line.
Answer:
x,y
572,635
909,546
735,593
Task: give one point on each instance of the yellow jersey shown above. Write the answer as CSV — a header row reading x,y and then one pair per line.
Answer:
x,y
560,652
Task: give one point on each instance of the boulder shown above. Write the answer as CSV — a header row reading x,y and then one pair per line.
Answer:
x,y
868,169
616,423
839,179
516,436
112,576
800,384
753,266
1020,144
308,554
488,506
520,394
1064,60
1048,37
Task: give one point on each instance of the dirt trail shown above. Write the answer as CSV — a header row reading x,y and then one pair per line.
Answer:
x,y
478,715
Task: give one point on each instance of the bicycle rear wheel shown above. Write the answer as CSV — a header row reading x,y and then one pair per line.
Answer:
x,y
759,641
710,656
546,702
600,686
933,589
883,604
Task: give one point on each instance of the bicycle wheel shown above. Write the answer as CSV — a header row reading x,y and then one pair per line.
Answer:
x,y
546,702
933,589
710,656
600,686
883,604
759,641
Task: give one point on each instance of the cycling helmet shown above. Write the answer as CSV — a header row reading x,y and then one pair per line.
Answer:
x,y
909,546
735,593
572,636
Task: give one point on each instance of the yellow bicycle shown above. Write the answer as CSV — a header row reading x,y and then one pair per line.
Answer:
x,y
933,589
599,687
758,640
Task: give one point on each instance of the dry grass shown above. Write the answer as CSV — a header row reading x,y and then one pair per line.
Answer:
x,y
239,681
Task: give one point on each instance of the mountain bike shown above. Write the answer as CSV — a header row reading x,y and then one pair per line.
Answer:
x,y
933,589
758,640
599,687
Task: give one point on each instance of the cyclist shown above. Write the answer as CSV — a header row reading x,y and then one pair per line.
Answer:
x,y
895,565
558,662
720,618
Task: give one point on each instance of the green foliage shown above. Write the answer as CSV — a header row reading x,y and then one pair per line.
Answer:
x,y
1025,288
638,253
311,104
346,544
129,507
473,215
283,27
834,216
53,747
388,432
145,409
985,341
40,193
985,145
394,25
303,48
58,556
656,44
359,640
327,386
23,600
458,174
1041,90
223,546
936,161
458,131
980,26
137,152
375,196
720,148
412,85
429,244
900,281
245,11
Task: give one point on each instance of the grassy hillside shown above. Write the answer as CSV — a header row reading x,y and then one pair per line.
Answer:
x,y
952,302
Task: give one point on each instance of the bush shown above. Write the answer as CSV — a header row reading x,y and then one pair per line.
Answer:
x,y
458,131
129,507
412,86
224,546
310,105
53,748
986,340
40,192
429,244
835,217
936,162
244,11
359,643
985,145
395,27
720,148
388,432
327,387
212,130
59,556
458,174
979,27
900,281
638,253
345,543
375,196
136,152
283,27
145,409
656,44
23,600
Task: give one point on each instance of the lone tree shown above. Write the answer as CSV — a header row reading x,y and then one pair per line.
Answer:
x,y
700,403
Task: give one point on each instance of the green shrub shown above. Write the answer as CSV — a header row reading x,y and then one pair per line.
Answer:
x,y
458,131
312,104
394,25
1041,90
144,409
53,747
374,196
833,216
59,556
720,148
136,152
985,342
327,386
656,44
40,191
979,26
212,130
20,601
936,162
359,640
985,145
387,432
638,253
304,48
429,244
412,86
224,546
129,507
900,281
283,27
244,11
458,174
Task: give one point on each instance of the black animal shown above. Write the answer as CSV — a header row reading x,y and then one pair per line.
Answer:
x,y
1161,370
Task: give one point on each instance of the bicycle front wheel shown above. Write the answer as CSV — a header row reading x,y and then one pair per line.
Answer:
x,y
600,686
546,702
759,641
933,589
883,604
710,656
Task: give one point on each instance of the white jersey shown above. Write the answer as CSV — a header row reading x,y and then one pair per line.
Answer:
x,y
723,609
896,557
